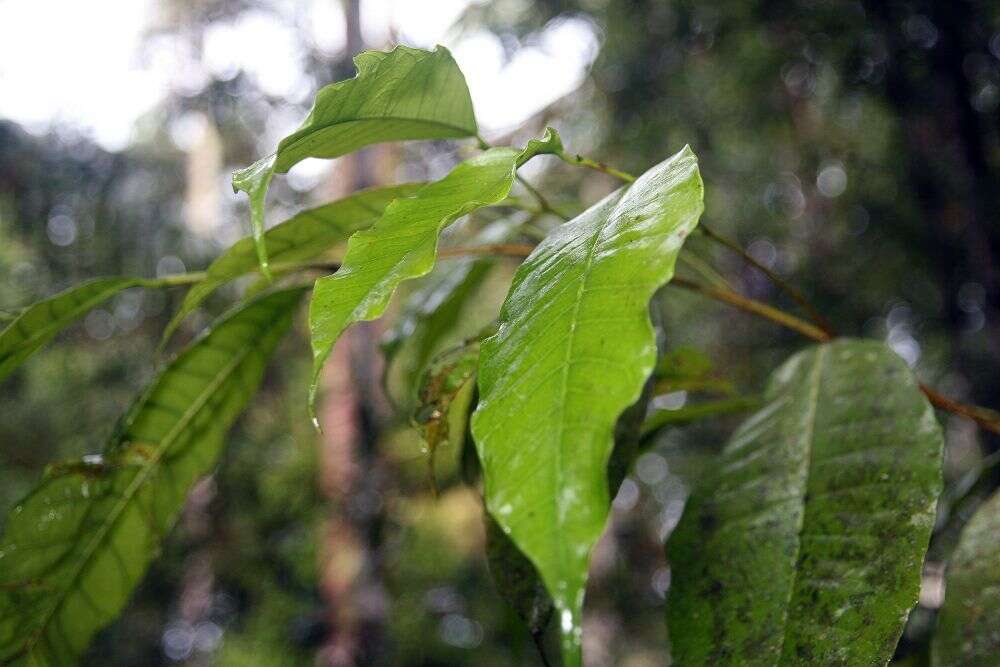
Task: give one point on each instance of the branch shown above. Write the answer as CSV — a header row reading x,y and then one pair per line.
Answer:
x,y
755,307
792,291
581,161
984,417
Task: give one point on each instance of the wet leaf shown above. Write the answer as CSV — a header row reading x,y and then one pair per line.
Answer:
x,y
806,543
403,245
399,95
968,632
76,546
574,350
301,238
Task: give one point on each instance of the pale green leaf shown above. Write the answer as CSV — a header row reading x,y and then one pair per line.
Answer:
x,y
403,94
574,349
301,238
968,632
403,245
806,544
76,547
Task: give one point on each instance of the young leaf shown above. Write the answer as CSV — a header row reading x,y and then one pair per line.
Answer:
x,y
806,545
301,238
573,351
968,632
398,95
80,542
403,244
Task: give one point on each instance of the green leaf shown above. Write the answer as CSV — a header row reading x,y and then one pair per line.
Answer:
x,y
39,323
697,411
517,581
968,632
76,547
444,385
441,313
403,245
573,351
806,545
403,94
301,238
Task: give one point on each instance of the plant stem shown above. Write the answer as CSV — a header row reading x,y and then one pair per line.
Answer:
x,y
984,417
782,284
500,249
581,161
176,279
755,307
543,203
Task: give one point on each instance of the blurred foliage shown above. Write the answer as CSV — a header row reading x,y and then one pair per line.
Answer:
x,y
853,147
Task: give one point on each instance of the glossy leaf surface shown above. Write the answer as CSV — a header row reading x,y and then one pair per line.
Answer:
x,y
301,238
403,94
403,245
968,632
805,546
573,351
76,547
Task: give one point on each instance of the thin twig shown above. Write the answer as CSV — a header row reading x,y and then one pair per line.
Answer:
x,y
984,417
500,249
782,284
543,203
755,307
581,161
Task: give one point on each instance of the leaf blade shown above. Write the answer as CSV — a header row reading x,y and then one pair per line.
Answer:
x,y
40,322
304,236
966,635
555,331
399,95
79,543
785,547
403,245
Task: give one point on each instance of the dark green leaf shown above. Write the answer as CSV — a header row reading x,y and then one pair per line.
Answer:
x,y
398,95
968,632
403,245
301,238
77,546
806,545
573,351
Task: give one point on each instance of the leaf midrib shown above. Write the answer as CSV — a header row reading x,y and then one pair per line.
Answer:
x,y
361,119
127,496
584,276
812,407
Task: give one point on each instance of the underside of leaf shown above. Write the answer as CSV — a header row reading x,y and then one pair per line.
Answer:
x,y
77,546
